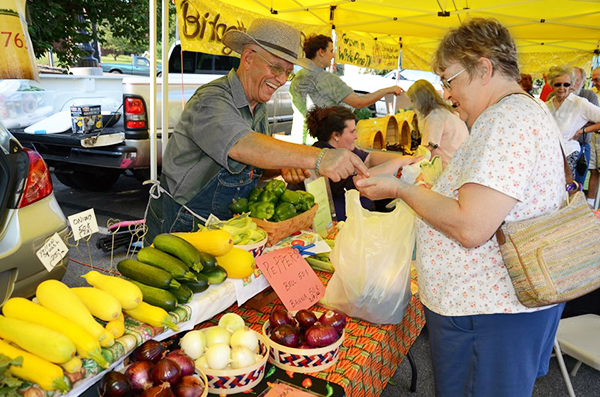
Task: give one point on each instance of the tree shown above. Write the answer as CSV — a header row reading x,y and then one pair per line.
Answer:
x,y
62,24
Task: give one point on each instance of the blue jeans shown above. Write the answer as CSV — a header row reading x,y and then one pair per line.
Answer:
x,y
585,151
165,215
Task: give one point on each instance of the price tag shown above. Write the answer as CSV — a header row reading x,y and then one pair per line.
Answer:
x,y
52,252
83,224
292,278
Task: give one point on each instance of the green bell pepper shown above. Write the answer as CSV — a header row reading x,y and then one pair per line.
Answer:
x,y
262,210
238,205
284,211
276,186
307,199
267,196
254,193
290,196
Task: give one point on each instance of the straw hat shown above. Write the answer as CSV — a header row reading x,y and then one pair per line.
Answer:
x,y
276,37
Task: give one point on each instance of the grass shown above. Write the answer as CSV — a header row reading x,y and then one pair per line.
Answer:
x,y
104,59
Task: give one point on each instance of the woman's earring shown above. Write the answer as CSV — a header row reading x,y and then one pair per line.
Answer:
x,y
337,139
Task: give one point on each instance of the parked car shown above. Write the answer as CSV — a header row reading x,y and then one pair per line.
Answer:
x,y
139,66
29,215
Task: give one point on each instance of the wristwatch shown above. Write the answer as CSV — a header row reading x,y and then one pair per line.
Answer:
x,y
433,145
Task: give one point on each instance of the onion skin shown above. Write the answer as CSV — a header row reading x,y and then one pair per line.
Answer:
x,y
138,374
334,318
186,364
115,384
285,335
163,390
166,371
278,317
150,350
189,386
305,318
321,335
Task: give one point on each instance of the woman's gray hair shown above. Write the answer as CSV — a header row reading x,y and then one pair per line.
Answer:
x,y
426,99
557,71
476,38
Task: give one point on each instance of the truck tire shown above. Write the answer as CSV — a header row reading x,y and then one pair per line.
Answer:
x,y
93,179
116,71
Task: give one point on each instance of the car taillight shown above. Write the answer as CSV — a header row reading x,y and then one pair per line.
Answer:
x,y
39,182
135,113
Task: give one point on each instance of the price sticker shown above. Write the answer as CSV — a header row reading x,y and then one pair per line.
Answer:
x,y
83,224
293,280
52,252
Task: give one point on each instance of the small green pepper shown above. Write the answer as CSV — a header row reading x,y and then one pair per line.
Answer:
x,y
291,197
267,196
238,205
254,193
285,211
262,210
307,199
276,186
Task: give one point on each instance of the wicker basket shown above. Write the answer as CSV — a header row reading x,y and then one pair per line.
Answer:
x,y
277,231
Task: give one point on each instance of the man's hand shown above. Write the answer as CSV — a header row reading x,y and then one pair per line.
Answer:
x,y
338,164
294,175
378,187
396,90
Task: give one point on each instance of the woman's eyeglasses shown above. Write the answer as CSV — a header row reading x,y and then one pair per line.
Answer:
x,y
446,83
277,70
566,85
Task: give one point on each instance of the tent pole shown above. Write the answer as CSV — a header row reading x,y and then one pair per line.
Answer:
x,y
152,112
165,77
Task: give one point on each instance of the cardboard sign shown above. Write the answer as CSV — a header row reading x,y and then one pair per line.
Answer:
x,y
52,252
292,278
286,390
83,224
323,219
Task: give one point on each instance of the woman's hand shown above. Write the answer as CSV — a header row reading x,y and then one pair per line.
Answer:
x,y
294,175
378,187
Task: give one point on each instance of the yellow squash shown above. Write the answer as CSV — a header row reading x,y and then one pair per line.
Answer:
x,y
73,365
128,294
238,263
213,242
24,309
116,327
46,375
153,315
101,304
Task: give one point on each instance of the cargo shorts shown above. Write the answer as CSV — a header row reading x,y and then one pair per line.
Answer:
x,y
595,152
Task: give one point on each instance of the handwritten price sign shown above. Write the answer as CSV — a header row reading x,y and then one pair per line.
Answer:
x,y
292,278
83,224
52,252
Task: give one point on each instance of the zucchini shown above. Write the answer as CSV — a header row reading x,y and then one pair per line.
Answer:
x,y
162,260
183,294
180,248
146,274
208,261
157,296
199,286
216,275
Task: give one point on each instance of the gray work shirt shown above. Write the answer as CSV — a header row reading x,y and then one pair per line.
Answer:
x,y
216,117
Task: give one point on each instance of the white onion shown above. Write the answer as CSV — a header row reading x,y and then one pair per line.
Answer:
x,y
242,357
231,322
258,358
216,335
193,344
218,356
245,337
201,362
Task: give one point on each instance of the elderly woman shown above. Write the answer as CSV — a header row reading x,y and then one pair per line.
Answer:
x,y
442,130
571,112
484,342
315,85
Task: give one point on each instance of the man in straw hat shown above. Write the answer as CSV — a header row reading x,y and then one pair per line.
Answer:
x,y
221,146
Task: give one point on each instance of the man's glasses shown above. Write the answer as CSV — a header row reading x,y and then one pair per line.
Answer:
x,y
446,83
277,70
566,85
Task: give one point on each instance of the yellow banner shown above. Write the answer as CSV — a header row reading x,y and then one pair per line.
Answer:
x,y
17,60
202,24
365,52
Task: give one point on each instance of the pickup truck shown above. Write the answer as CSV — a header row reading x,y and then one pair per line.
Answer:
x,y
139,66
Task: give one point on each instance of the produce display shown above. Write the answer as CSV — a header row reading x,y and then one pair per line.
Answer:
x,y
242,229
304,330
274,202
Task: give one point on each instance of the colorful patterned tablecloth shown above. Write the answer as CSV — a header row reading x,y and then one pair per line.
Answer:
x,y
369,355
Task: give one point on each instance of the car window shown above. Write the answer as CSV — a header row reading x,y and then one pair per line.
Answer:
x,y
4,139
199,63
143,62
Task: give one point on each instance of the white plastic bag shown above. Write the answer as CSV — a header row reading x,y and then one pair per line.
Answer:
x,y
372,257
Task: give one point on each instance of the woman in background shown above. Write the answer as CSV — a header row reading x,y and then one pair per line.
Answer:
x,y
442,130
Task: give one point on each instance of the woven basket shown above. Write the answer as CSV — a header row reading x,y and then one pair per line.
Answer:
x,y
277,231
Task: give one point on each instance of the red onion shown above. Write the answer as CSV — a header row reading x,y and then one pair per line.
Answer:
x,y
334,318
306,318
189,386
150,350
286,335
163,390
114,384
166,370
304,345
186,364
278,317
138,374
321,335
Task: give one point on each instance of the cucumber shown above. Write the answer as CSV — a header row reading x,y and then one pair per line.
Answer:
x,y
162,260
180,248
147,274
183,294
198,286
216,275
208,261
157,296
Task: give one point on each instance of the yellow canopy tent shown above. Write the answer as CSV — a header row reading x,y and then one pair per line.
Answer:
x,y
547,32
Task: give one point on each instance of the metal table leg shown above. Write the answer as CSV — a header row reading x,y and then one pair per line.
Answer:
x,y
413,369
